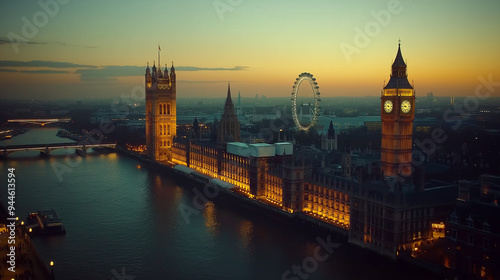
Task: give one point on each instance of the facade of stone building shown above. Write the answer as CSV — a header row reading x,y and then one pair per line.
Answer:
x,y
473,229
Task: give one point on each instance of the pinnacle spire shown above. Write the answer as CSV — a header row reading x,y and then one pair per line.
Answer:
x,y
229,126
229,106
399,76
228,91
331,131
399,61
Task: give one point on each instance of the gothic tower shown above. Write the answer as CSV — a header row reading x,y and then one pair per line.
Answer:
x,y
161,114
229,126
397,113
329,140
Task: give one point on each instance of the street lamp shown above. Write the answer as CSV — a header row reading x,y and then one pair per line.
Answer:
x,y
52,270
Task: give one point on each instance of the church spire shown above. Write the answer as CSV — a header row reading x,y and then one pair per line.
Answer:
x,y
228,92
229,126
331,131
229,106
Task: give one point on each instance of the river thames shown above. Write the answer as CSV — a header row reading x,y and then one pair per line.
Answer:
x,y
123,219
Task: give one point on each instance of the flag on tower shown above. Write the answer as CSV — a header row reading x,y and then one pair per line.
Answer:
x,y
159,48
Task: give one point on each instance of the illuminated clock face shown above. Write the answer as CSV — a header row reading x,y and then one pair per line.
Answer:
x,y
405,106
388,106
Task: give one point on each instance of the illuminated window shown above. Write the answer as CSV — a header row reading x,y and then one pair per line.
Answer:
x,y
168,129
168,109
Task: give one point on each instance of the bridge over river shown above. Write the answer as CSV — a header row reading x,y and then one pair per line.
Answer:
x,y
45,149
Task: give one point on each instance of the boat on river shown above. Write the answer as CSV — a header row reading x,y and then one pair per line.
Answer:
x,y
45,222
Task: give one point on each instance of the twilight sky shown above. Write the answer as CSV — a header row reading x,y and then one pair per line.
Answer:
x,y
85,49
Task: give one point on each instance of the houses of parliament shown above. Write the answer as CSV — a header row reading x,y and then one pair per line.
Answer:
x,y
392,216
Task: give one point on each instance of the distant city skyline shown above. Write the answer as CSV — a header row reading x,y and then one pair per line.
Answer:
x,y
52,49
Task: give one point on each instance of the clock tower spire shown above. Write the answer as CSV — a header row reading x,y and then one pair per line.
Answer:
x,y
397,114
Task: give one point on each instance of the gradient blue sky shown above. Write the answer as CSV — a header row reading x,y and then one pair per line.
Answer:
x,y
100,48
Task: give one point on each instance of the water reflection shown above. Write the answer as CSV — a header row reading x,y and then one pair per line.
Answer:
x,y
246,233
210,214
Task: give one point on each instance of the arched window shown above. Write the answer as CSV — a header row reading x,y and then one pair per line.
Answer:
x,y
161,129
168,109
168,129
161,109
168,143
164,106
164,143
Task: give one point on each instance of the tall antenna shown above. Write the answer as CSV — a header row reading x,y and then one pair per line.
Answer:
x,y
159,50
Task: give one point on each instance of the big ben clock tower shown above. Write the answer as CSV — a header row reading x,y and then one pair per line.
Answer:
x,y
397,113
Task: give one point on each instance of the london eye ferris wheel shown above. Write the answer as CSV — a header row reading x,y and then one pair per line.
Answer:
x,y
314,108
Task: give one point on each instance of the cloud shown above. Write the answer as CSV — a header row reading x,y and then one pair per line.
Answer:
x,y
111,72
192,68
96,73
43,63
200,82
36,71
5,41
